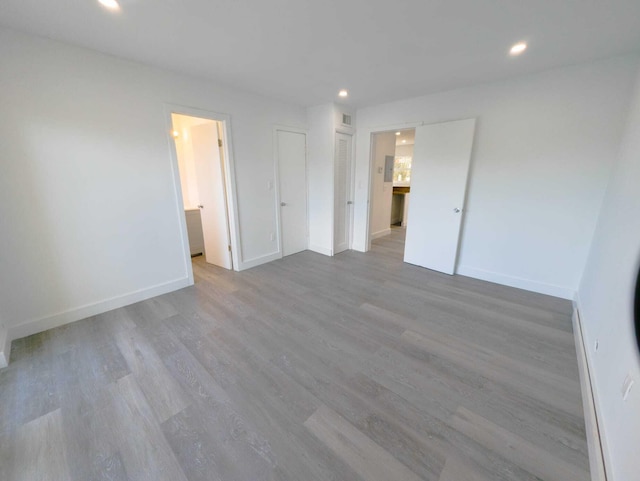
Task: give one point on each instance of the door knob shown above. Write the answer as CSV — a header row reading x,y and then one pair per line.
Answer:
x,y
456,210
200,206
282,204
349,202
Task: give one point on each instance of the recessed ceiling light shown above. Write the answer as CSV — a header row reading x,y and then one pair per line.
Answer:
x,y
110,4
404,141
397,133
343,93
518,48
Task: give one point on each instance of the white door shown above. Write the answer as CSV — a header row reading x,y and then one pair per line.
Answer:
x,y
291,148
211,194
439,173
343,202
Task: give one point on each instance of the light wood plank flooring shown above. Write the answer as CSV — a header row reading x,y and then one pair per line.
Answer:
x,y
357,367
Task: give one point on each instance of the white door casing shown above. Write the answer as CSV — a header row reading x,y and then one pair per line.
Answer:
x,y
211,194
439,171
291,148
343,202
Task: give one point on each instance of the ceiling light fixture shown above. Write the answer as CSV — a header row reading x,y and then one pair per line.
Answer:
x,y
518,48
404,141
397,133
343,93
110,4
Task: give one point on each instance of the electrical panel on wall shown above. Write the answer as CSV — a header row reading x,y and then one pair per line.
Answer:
x,y
346,119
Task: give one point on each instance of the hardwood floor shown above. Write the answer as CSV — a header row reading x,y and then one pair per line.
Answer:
x,y
357,367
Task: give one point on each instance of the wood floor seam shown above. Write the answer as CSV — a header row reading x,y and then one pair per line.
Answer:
x,y
357,367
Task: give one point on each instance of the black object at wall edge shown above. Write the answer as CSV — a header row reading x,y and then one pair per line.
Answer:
x,y
636,310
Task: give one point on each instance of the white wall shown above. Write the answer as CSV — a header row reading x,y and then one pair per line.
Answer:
x,y
89,216
384,143
323,121
320,177
404,150
543,151
605,303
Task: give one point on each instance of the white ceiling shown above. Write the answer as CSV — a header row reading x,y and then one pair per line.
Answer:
x,y
303,51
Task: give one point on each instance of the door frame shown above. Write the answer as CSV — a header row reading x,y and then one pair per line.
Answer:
x,y
452,268
371,132
276,175
230,180
352,189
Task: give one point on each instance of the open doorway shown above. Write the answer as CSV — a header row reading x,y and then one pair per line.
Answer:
x,y
203,166
392,156
428,164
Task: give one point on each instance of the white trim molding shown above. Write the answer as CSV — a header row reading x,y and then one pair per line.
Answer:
x,y
380,233
363,242
520,283
321,250
257,261
65,317
592,428
230,180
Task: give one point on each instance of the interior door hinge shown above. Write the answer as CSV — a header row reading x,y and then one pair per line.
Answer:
x,y
229,248
219,142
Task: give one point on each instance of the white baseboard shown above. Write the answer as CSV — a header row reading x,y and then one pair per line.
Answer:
x,y
257,261
72,315
540,287
593,431
356,246
5,345
321,250
380,233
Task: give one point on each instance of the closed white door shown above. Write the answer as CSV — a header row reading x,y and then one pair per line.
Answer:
x,y
291,152
439,172
211,194
343,201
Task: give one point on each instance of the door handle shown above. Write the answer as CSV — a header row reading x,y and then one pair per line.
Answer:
x,y
282,204
200,206
456,210
349,202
